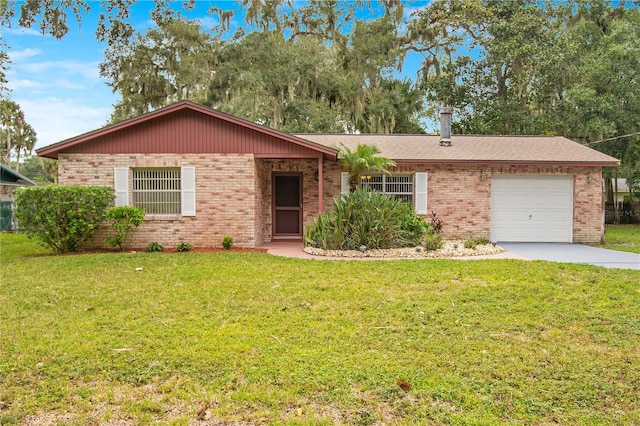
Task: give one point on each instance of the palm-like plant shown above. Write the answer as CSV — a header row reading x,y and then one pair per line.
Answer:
x,y
363,158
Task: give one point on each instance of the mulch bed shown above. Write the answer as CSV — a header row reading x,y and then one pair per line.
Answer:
x,y
165,250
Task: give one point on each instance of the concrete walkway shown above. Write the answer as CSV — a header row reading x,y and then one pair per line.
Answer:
x,y
552,252
574,253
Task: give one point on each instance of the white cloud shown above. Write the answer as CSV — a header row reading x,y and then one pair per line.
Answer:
x,y
16,84
56,119
68,84
23,31
85,69
22,54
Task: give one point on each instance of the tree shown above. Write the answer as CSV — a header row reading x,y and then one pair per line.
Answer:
x,y
523,67
504,81
364,158
4,68
168,64
16,135
299,71
38,169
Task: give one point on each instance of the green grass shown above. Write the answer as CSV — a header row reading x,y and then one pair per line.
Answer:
x,y
87,339
622,237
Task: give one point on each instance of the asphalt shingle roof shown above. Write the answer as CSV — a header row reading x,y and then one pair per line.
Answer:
x,y
471,148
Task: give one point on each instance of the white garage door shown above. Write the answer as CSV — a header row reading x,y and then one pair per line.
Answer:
x,y
532,208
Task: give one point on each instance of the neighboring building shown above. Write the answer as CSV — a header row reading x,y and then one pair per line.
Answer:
x,y
9,180
619,185
201,174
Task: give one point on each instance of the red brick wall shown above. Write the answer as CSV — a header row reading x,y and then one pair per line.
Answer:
x,y
225,197
233,195
461,196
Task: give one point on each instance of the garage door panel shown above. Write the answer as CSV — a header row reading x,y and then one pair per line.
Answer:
x,y
561,217
540,199
519,199
540,218
559,199
532,208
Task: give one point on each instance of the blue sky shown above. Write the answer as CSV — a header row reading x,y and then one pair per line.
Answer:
x,y
57,82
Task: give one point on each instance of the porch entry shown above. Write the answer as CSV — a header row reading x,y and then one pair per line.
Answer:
x,y
287,205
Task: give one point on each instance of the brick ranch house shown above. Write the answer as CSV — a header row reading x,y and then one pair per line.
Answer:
x,y
201,174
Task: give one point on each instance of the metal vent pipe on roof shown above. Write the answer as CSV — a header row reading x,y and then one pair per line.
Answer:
x,y
445,125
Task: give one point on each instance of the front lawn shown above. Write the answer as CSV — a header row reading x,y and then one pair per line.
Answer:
x,y
622,237
141,338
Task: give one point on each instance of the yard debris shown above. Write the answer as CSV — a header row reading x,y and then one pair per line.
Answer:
x,y
201,414
139,269
403,385
122,349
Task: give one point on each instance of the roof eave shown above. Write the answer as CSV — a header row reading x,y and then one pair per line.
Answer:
x,y
16,175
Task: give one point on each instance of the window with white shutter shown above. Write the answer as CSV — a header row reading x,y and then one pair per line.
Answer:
x,y
157,191
396,186
420,205
121,185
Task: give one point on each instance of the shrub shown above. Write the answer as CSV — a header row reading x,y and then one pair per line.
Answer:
x,y
61,217
367,218
154,246
122,219
436,223
227,242
433,241
472,243
184,247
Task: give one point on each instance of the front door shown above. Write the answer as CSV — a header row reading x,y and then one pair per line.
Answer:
x,y
287,205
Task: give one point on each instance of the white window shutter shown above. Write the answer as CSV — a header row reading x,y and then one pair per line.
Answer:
x,y
421,193
344,183
121,185
188,181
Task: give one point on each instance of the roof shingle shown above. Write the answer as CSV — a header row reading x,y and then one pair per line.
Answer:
x,y
471,148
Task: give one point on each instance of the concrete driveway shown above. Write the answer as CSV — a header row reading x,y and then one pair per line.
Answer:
x,y
574,253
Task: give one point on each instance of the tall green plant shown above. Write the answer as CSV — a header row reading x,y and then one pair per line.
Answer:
x,y
367,218
364,158
62,217
122,220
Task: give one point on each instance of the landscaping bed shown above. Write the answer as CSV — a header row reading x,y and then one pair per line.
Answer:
x,y
451,248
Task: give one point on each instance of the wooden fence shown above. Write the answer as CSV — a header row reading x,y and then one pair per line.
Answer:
x,y
622,213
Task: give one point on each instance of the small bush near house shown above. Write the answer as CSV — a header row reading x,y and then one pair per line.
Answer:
x,y
472,243
367,218
121,220
62,217
432,242
227,242
184,247
436,222
154,246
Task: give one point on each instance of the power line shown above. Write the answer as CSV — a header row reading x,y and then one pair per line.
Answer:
x,y
614,138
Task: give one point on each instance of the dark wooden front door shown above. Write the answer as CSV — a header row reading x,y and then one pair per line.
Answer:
x,y
287,205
